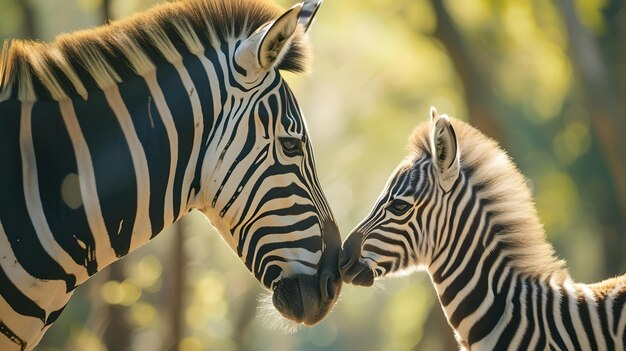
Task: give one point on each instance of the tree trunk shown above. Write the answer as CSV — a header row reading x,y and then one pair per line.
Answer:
x,y
106,11
29,24
117,334
477,91
607,120
178,260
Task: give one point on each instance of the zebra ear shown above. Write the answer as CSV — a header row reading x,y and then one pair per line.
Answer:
x,y
433,114
444,148
259,52
309,9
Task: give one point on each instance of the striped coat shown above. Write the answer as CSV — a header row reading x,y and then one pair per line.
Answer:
x,y
107,136
458,208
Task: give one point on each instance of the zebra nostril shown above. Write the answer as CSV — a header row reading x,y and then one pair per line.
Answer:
x,y
344,261
328,287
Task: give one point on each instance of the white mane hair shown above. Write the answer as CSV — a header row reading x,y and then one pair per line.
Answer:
x,y
78,62
503,185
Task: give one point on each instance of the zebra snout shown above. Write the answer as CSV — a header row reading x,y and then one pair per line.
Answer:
x,y
352,270
305,298
330,279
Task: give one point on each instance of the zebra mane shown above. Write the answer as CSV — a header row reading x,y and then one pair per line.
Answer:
x,y
490,169
78,62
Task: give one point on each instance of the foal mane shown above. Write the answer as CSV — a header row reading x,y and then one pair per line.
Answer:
x,y
490,169
78,62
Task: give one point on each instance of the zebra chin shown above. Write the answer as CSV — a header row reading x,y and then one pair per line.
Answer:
x,y
306,299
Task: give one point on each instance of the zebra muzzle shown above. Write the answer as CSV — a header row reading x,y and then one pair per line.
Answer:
x,y
352,270
288,299
301,299
306,298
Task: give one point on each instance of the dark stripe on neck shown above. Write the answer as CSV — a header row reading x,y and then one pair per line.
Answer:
x,y
507,335
454,237
618,308
177,99
469,269
585,319
13,213
478,292
541,328
19,302
203,88
529,314
55,161
496,312
113,168
153,137
601,308
567,319
554,333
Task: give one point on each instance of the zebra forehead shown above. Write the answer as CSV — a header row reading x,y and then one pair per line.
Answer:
x,y
141,40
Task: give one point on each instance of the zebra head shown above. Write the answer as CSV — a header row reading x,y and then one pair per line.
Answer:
x,y
400,231
259,184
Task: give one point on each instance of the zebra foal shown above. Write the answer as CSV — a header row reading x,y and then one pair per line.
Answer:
x,y
109,135
458,208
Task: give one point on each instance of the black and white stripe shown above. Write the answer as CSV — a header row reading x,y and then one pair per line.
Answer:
x,y
103,152
479,239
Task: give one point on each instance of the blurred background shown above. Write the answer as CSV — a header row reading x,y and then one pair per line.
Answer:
x,y
547,79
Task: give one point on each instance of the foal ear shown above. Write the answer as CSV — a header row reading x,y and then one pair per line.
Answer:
x,y
264,48
444,148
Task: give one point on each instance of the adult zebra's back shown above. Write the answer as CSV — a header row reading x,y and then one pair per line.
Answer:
x,y
459,208
109,135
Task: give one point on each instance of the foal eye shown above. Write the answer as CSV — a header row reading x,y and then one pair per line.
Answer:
x,y
291,146
398,207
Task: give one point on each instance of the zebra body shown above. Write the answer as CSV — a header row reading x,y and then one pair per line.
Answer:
x,y
458,208
110,135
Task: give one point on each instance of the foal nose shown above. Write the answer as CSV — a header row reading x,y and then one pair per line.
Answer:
x,y
352,270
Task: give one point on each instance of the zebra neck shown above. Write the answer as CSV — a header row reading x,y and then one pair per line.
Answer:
x,y
113,170
516,311
170,120
490,303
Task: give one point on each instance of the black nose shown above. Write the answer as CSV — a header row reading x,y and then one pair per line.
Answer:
x,y
352,270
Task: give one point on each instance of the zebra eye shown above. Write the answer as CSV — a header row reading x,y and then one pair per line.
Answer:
x,y
291,146
398,207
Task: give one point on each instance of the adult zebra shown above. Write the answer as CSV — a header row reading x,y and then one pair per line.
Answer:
x,y
458,207
109,135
